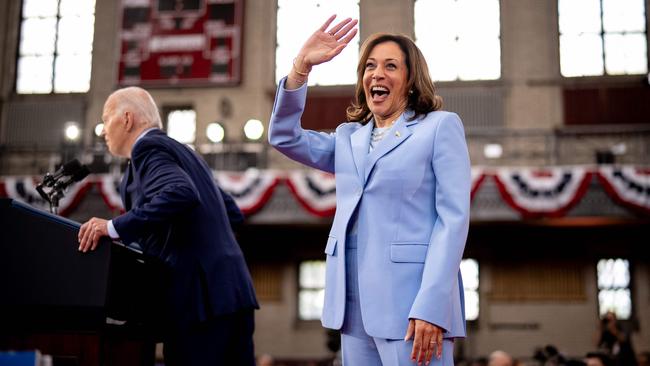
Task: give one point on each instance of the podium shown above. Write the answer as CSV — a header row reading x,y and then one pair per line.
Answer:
x,y
101,307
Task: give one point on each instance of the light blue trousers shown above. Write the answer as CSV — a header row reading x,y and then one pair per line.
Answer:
x,y
360,349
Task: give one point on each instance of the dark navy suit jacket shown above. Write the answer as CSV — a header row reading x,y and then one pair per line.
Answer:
x,y
176,212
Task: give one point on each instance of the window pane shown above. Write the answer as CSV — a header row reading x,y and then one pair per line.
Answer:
x,y
34,74
623,15
181,125
618,301
442,65
310,304
73,37
77,7
579,16
613,285
625,54
37,36
436,19
72,73
488,50
613,273
39,8
454,34
469,270
312,274
296,20
478,18
76,34
471,305
581,55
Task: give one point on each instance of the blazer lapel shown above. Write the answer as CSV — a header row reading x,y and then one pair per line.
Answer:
x,y
126,201
396,135
360,140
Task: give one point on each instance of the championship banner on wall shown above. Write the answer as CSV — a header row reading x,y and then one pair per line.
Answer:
x,y
180,42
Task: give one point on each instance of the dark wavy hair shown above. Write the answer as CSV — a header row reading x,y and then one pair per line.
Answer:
x,y
421,93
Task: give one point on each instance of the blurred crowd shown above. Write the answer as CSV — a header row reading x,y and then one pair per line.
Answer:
x,y
612,347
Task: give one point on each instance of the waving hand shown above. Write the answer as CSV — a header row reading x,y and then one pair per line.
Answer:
x,y
322,46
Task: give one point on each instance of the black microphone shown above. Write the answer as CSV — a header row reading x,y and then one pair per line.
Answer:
x,y
65,176
69,168
81,172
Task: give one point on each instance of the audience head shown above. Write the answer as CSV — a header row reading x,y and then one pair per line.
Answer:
x,y
598,359
500,358
265,360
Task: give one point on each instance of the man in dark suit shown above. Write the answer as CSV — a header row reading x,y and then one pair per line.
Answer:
x,y
177,214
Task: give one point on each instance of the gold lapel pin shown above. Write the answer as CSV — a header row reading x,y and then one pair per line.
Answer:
x,y
398,134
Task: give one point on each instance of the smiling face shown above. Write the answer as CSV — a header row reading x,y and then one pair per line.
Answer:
x,y
385,81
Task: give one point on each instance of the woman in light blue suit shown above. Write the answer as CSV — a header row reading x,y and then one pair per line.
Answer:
x,y
402,169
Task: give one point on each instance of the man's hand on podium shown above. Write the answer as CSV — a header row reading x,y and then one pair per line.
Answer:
x,y
90,233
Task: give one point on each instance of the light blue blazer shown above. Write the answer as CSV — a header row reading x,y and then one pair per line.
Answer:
x,y
412,197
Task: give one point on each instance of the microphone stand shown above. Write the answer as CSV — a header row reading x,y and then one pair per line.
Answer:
x,y
52,197
55,197
58,186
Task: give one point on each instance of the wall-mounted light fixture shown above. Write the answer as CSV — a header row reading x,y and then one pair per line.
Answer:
x,y
215,132
492,151
71,131
253,129
98,129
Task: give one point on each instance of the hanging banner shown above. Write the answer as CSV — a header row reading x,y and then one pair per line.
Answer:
x,y
534,192
180,43
627,185
23,189
548,192
251,189
315,190
478,176
109,188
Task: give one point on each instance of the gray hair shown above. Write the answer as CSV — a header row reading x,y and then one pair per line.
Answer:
x,y
139,102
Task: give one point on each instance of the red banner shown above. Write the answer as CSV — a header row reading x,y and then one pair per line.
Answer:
x,y
187,42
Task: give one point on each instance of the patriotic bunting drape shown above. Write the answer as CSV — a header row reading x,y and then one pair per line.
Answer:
x,y
109,189
315,190
24,189
549,192
533,192
251,189
627,185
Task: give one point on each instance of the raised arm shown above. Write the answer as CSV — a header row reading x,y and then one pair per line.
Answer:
x,y
322,46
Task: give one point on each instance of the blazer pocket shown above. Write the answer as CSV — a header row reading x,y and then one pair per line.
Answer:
x,y
408,253
330,248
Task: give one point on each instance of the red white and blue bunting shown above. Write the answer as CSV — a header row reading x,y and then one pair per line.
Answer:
x,y
109,189
315,190
548,192
250,189
627,185
24,189
533,192
478,176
